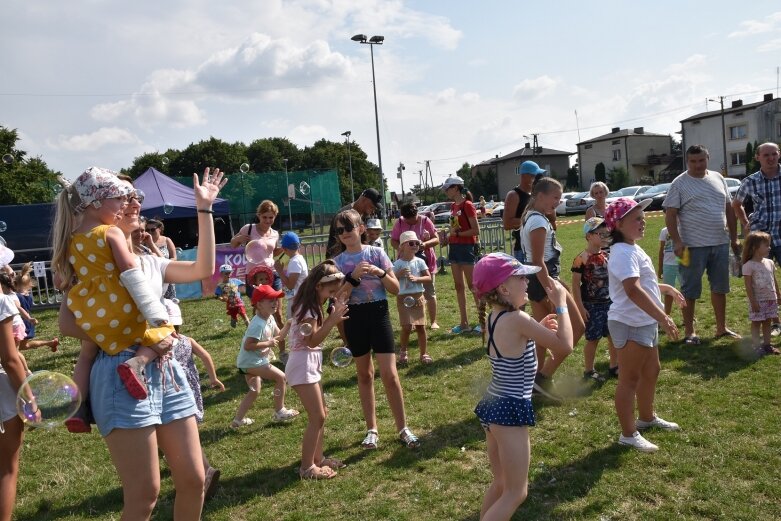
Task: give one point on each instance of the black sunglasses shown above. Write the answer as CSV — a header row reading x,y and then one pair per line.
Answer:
x,y
138,195
347,228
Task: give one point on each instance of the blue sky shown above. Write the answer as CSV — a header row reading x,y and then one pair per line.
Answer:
x,y
100,82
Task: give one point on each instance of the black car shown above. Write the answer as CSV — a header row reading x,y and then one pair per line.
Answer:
x,y
657,194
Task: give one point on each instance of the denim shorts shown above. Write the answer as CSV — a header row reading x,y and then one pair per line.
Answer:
x,y
620,333
461,254
670,274
714,259
596,325
170,397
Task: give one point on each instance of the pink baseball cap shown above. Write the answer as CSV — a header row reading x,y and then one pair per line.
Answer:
x,y
495,268
616,210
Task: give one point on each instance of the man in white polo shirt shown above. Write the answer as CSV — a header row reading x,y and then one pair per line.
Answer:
x,y
699,218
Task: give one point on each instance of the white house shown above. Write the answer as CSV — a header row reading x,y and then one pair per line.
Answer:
x,y
643,154
555,162
736,126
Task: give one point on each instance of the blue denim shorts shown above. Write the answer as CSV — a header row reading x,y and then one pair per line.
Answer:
x,y
462,254
596,325
620,333
714,259
170,397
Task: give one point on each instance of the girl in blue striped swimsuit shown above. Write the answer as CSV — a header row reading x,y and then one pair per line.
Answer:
x,y
506,412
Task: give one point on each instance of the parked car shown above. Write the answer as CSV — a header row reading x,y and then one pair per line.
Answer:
x,y
498,210
561,209
732,185
657,194
612,196
634,191
577,203
442,217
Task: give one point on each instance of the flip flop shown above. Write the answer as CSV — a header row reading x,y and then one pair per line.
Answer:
x,y
693,340
728,334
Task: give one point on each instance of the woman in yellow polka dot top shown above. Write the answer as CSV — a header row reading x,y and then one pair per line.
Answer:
x,y
108,294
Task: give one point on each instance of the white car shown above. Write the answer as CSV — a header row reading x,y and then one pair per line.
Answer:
x,y
732,185
561,209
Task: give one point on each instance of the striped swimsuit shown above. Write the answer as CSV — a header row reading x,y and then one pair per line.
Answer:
x,y
507,401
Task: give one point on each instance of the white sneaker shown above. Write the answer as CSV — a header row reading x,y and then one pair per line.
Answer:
x,y
658,423
242,423
284,414
637,441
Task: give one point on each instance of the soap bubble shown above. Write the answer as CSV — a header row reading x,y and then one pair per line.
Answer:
x,y
341,357
304,188
244,168
47,399
305,329
3,226
8,159
165,160
255,252
168,208
410,301
57,188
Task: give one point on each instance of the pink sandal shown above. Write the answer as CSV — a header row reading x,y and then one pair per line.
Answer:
x,y
403,357
426,359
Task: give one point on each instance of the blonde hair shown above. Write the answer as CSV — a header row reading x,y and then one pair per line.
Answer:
x,y
598,184
752,242
267,206
22,277
545,185
492,297
66,220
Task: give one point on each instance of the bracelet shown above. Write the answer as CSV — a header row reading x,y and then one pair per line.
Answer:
x,y
560,310
384,273
353,282
200,210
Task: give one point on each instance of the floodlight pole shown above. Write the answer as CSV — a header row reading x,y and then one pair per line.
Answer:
x,y
347,134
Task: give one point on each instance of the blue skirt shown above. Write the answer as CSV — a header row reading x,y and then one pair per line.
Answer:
x,y
505,410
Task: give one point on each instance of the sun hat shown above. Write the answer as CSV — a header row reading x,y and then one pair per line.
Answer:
x,y
174,312
290,241
374,196
226,268
408,236
616,210
260,269
529,168
94,185
265,292
592,224
495,268
373,224
453,180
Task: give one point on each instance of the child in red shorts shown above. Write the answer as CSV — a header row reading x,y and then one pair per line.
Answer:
x,y
229,292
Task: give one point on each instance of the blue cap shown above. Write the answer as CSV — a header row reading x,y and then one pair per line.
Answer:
x,y
290,241
530,167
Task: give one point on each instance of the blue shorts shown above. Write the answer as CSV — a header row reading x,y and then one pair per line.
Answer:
x,y
620,333
462,254
714,259
519,256
596,325
670,274
113,408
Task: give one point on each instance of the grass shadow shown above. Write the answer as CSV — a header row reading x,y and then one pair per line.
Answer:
x,y
466,432
99,506
464,358
710,359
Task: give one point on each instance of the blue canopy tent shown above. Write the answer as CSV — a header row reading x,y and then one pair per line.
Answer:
x,y
164,193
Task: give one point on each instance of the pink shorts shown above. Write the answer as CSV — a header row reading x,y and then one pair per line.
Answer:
x,y
304,366
20,333
767,309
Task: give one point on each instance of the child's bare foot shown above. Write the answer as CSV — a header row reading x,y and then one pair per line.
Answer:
x,y
54,344
132,375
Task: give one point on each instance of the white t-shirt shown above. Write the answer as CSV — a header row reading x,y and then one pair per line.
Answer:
x,y
534,221
297,264
762,278
626,262
416,268
669,250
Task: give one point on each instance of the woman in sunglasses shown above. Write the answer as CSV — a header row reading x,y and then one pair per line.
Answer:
x,y
165,245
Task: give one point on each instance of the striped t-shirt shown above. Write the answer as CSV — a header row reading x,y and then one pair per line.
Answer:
x,y
701,204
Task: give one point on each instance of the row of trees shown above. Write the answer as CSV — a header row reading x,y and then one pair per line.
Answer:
x,y
23,180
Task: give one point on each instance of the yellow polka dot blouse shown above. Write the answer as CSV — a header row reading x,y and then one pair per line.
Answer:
x,y
102,306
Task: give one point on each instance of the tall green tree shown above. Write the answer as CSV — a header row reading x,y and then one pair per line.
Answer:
x,y
24,180
573,179
212,152
618,177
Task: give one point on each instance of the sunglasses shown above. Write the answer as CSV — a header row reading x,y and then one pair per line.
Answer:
x,y
138,195
414,243
347,228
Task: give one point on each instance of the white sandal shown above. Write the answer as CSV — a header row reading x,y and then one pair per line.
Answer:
x,y
371,439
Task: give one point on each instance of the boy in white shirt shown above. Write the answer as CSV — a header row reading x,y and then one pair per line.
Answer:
x,y
292,277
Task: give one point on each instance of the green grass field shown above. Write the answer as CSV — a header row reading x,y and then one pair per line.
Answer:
x,y
723,464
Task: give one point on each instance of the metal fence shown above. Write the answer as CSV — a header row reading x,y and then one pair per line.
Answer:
x,y
492,238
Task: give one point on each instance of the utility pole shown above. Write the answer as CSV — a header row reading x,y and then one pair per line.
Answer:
x,y
723,136
399,174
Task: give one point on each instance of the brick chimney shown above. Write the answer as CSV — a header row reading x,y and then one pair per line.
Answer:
x,y
615,130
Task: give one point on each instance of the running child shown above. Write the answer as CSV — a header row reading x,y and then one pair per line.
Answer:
x,y
592,296
506,410
412,273
24,284
633,319
108,294
368,272
759,275
229,291
308,330
254,359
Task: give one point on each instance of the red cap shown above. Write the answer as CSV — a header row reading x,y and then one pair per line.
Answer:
x,y
265,292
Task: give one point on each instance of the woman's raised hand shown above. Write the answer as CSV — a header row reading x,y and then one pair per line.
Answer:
x,y
206,191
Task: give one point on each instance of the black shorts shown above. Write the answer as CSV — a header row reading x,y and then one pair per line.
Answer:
x,y
535,290
369,328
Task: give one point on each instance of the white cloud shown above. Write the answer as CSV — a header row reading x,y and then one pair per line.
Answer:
x,y
534,88
306,135
695,61
772,45
102,137
751,27
450,95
